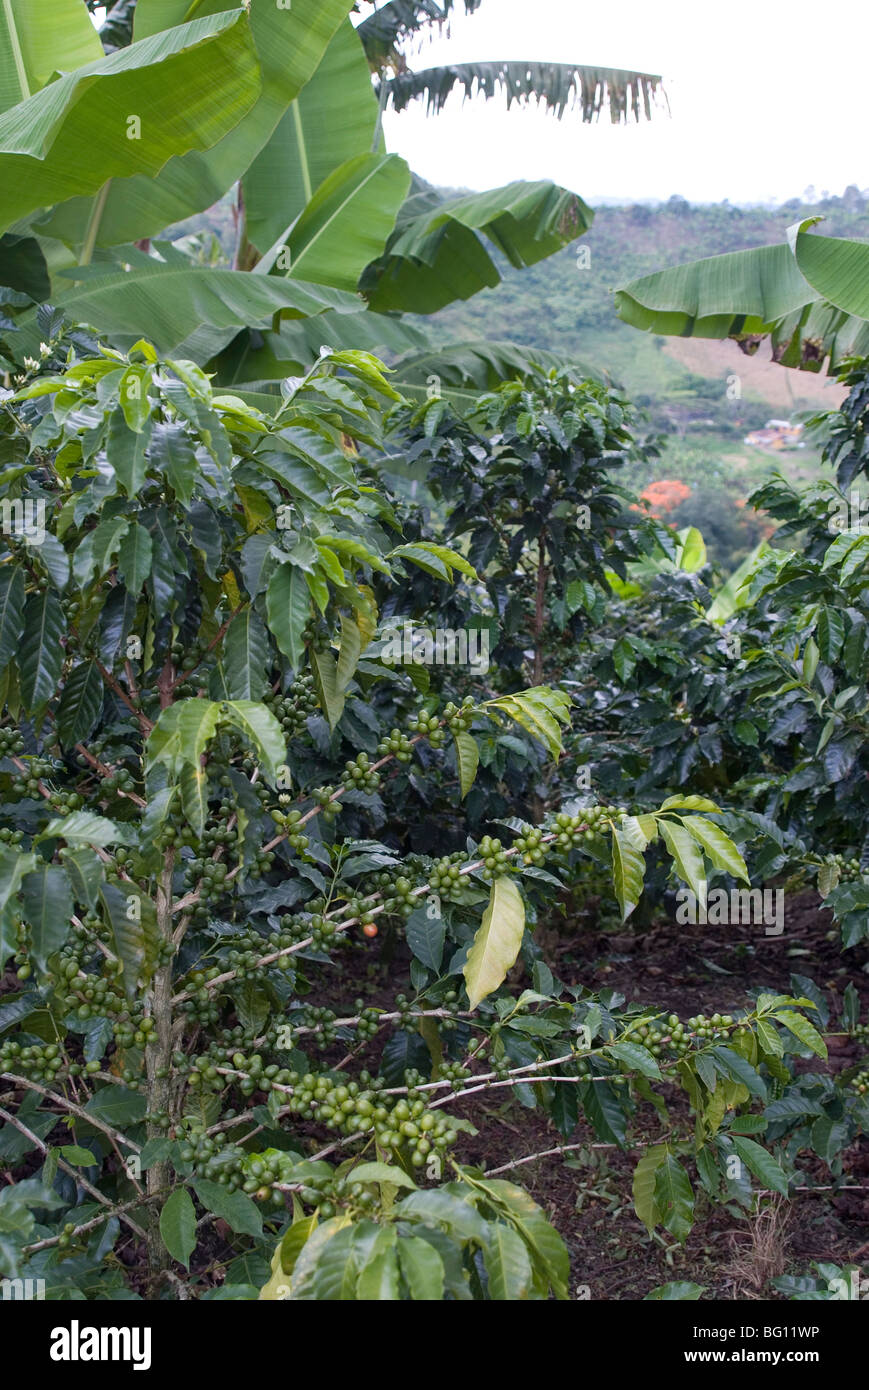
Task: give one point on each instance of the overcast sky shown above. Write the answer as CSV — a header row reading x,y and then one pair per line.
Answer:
x,y
767,97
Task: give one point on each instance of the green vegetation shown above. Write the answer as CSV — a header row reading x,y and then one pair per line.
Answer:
x,y
336,700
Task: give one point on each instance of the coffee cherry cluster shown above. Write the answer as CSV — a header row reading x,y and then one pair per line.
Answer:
x,y
213,1156
662,1036
446,874
11,743
498,1063
202,1005
320,1021
529,845
292,709
859,1084
368,1023
455,1072
258,1075
407,1013
716,1026
429,726
38,1062
331,1193
80,991
849,868
26,783
288,821
242,954
261,1171
398,744
330,809
321,929
495,858
120,780
589,826
359,776
399,896
459,718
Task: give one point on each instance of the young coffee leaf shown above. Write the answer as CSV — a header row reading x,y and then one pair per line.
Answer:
x,y
246,658
382,1172
508,1264
47,904
467,760
644,1186
193,782
181,733
324,669
719,847
674,1198
127,452
804,1030
686,857
425,936
127,915
85,828
80,704
629,869
348,656
135,555
288,606
236,1208
689,803
636,1058
178,1226
497,942
40,650
680,1290
422,1268
85,874
378,1278
11,612
262,731
761,1164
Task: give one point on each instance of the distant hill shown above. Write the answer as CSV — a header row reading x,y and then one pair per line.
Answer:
x,y
565,304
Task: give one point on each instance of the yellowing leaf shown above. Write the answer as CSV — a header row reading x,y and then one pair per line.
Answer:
x,y
496,944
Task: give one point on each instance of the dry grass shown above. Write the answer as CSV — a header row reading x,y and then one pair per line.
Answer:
x,y
760,1251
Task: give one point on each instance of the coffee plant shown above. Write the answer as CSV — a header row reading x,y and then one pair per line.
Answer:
x,y
191,610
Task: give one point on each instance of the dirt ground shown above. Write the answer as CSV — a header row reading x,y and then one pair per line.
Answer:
x,y
588,1195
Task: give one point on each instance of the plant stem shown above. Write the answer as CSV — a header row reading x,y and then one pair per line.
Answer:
x,y
304,170
159,1062
540,610
93,226
384,97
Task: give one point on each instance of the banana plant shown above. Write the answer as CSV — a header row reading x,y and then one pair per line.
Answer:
x,y
555,86
279,103
809,295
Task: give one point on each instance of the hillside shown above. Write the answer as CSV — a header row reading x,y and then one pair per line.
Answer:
x,y
698,396
701,396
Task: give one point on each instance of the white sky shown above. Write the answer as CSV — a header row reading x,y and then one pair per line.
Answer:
x,y
767,97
